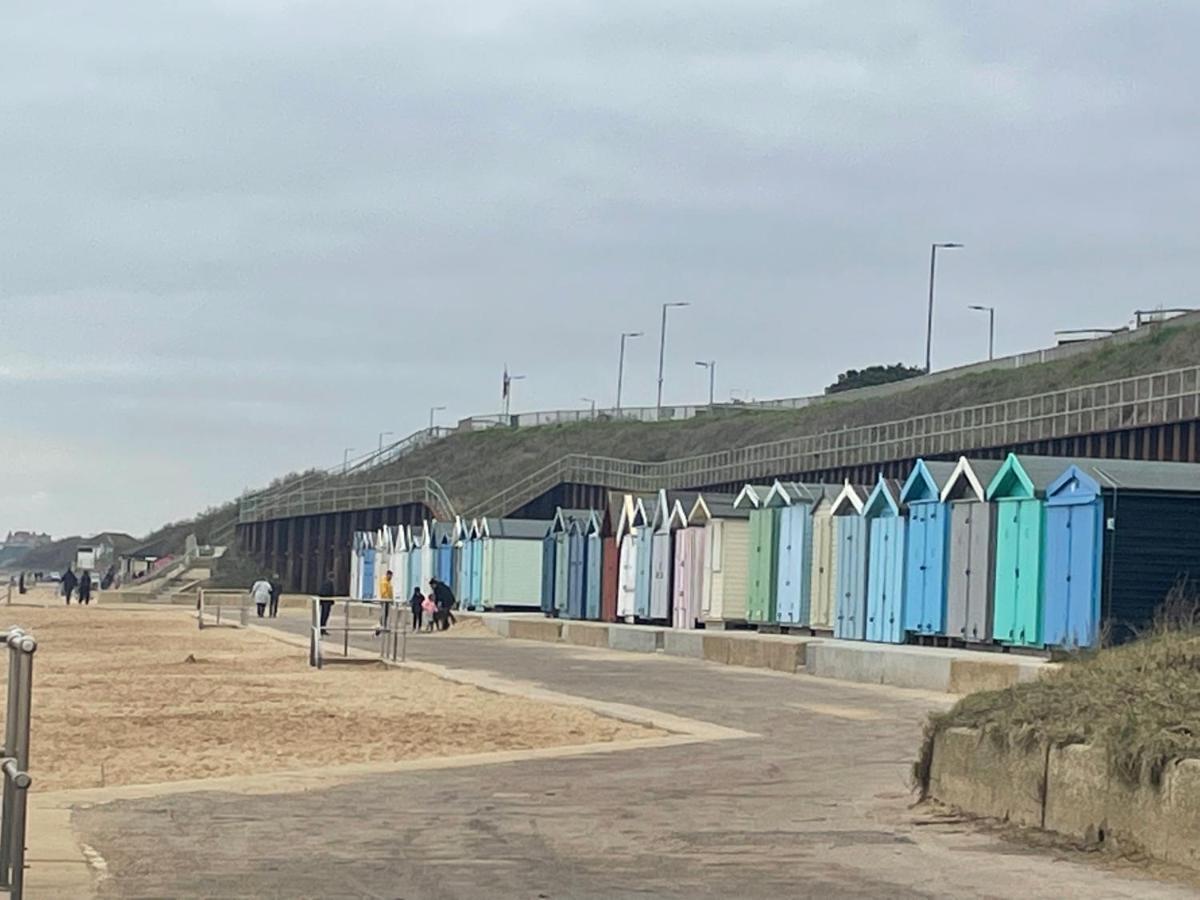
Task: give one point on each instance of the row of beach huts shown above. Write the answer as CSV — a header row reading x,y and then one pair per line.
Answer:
x,y
1029,551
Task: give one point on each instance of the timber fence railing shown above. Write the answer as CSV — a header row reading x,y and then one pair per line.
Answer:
x,y
230,608
390,625
15,761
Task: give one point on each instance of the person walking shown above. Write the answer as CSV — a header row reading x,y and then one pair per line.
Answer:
x,y
415,603
443,598
276,590
68,584
85,588
21,584
260,593
325,595
386,596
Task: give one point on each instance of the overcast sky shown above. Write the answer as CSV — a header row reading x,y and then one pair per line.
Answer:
x,y
237,237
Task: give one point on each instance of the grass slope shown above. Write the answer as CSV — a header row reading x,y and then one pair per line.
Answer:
x,y
471,467
1140,701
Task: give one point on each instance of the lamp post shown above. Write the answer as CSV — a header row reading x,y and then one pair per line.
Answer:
x,y
591,401
346,459
662,348
991,311
432,411
621,362
929,325
711,365
382,435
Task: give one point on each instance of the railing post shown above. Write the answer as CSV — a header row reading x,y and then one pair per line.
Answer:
x,y
10,749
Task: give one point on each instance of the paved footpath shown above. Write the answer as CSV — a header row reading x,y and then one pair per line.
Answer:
x,y
817,804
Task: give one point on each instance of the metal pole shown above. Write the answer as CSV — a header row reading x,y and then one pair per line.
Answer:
x,y
662,351
929,323
620,371
314,639
432,410
10,745
991,332
712,382
346,633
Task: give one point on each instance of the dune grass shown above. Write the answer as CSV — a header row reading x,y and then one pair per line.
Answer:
x,y
1140,701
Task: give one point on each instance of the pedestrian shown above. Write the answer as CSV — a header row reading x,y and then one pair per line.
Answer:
x,y
443,598
325,595
276,590
260,593
85,588
21,584
68,584
429,608
386,596
416,603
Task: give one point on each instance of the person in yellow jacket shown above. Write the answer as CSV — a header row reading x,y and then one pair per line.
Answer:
x,y
385,600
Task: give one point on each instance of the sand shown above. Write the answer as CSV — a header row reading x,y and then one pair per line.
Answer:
x,y
179,703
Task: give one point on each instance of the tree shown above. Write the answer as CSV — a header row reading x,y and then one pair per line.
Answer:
x,y
873,375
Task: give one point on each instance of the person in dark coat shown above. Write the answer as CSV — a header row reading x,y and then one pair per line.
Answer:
x,y
443,598
414,603
276,590
21,584
68,585
326,591
85,588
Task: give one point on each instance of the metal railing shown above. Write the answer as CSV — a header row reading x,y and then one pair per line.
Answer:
x,y
391,628
337,498
15,765
1139,401
214,603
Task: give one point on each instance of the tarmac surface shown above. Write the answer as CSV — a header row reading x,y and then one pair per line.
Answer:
x,y
814,802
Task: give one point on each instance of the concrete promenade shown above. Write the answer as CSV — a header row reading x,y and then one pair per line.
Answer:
x,y
802,792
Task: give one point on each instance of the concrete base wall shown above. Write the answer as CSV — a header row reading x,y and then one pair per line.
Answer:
x,y
845,662
585,634
1072,791
684,643
533,629
638,639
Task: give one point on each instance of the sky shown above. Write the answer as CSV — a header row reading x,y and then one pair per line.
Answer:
x,y
237,238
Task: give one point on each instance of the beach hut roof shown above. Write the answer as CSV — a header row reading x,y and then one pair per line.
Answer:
x,y
926,480
679,514
884,499
970,478
716,506
1131,475
1026,476
443,533
563,518
788,493
849,500
752,496
522,529
664,508
633,513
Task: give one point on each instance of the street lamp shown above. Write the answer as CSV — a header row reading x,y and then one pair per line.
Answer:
x,y
621,362
662,347
432,411
346,459
711,365
382,435
929,326
591,401
991,311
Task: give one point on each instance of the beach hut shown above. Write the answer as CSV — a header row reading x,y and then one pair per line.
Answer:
x,y
851,536
764,539
687,585
726,557
926,566
1120,535
577,567
358,549
369,553
662,558
474,551
512,562
793,505
459,537
610,558
443,552
631,524
887,530
549,567
644,574
593,566
822,590
420,558
971,562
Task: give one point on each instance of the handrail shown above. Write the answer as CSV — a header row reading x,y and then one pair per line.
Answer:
x,y
337,498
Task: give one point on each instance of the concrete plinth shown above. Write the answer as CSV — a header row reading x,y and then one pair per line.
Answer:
x,y
585,634
638,639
